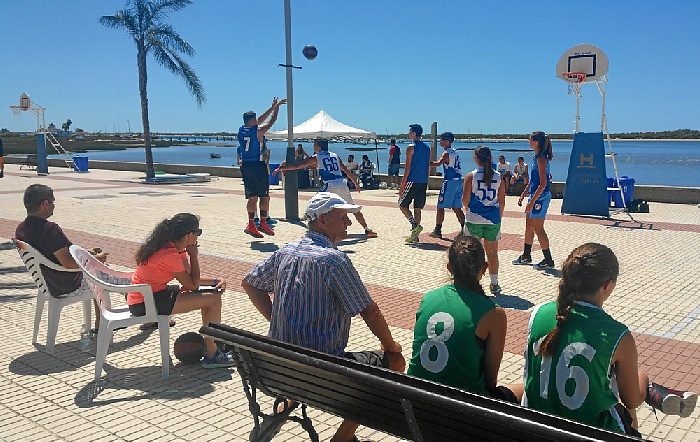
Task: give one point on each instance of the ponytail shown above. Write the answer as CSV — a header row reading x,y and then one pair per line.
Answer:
x,y
467,258
544,144
484,158
165,232
584,272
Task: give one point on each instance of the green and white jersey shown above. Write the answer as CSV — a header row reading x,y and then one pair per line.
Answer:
x,y
577,382
445,346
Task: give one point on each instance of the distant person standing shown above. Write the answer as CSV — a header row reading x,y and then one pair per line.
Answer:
x,y
253,167
538,203
394,163
331,169
451,189
414,183
2,160
302,175
484,197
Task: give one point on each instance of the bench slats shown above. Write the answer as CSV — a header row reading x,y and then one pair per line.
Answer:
x,y
373,397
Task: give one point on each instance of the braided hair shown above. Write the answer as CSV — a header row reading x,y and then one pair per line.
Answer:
x,y
467,258
484,158
167,231
585,271
544,144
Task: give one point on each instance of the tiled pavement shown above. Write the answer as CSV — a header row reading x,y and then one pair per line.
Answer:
x,y
52,397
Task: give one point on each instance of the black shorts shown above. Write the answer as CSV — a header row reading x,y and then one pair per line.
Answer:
x,y
256,178
504,394
414,192
375,358
164,300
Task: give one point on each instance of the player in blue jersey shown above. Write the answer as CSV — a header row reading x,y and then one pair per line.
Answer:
x,y
538,203
414,183
484,197
256,177
331,168
451,189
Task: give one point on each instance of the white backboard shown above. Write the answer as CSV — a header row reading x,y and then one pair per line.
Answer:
x,y
584,58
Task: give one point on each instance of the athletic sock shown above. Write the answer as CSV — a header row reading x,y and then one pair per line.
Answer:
x,y
412,220
438,227
251,216
263,214
527,250
494,278
547,255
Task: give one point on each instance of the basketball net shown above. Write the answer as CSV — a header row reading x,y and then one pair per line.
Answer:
x,y
574,80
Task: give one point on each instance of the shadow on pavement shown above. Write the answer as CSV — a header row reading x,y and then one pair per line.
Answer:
x,y
17,269
512,301
185,382
15,298
16,285
7,245
66,356
552,272
264,247
353,238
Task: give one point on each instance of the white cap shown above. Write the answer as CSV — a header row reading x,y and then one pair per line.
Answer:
x,y
324,202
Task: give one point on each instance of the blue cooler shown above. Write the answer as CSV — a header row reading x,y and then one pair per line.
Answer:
x,y
80,163
274,179
614,197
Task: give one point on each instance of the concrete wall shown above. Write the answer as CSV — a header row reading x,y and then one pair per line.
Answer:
x,y
661,194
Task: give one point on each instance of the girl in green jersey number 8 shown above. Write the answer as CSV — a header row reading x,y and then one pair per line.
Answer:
x,y
577,353
460,333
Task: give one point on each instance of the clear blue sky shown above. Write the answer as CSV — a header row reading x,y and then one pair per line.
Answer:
x,y
477,66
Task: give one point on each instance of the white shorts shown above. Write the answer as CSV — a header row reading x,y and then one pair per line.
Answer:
x,y
339,187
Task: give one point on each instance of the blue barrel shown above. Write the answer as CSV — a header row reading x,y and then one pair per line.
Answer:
x,y
274,179
627,185
80,163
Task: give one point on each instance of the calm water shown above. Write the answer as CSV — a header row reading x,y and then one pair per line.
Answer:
x,y
672,163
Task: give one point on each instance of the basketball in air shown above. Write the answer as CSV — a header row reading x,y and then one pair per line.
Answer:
x,y
310,52
189,348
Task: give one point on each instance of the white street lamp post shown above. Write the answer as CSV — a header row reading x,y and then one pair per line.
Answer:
x,y
291,185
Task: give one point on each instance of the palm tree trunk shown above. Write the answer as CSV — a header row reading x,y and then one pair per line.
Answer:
x,y
143,80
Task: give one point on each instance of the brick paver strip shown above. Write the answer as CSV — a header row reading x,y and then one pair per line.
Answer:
x,y
305,196
671,362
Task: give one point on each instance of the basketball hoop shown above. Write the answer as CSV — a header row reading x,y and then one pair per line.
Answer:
x,y
574,80
573,77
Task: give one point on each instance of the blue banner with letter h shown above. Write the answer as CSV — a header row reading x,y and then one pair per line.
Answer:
x,y
586,183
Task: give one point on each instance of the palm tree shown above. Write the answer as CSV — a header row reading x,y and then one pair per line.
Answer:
x,y
143,21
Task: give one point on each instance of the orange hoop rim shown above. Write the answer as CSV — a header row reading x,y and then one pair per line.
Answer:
x,y
573,77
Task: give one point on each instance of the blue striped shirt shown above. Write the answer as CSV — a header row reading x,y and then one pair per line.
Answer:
x,y
316,291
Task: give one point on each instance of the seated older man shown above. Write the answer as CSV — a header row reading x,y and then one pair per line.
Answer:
x,y
316,291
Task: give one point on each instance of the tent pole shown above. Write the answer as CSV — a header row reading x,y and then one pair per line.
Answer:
x,y
291,184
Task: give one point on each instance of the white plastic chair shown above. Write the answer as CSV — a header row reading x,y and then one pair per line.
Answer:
x,y
103,281
33,259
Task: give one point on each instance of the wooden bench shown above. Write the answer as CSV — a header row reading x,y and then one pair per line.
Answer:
x,y
395,403
29,162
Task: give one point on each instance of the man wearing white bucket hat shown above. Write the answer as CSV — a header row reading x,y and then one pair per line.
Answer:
x,y
316,291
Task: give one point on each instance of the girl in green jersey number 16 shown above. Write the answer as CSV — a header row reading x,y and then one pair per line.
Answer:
x,y
580,362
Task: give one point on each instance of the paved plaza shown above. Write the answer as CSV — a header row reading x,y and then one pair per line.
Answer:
x,y
52,397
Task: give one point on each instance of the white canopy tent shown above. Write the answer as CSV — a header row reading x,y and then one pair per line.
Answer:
x,y
322,125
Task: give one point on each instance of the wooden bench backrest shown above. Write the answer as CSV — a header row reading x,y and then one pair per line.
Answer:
x,y
386,400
